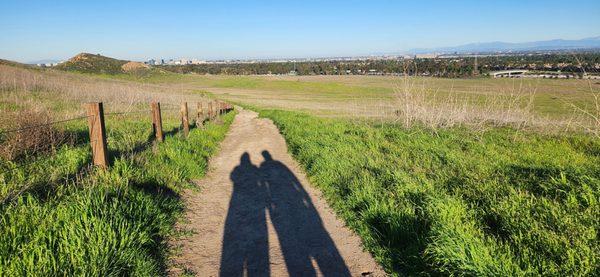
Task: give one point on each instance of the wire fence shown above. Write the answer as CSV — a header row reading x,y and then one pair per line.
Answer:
x,y
16,130
97,133
41,125
129,112
214,108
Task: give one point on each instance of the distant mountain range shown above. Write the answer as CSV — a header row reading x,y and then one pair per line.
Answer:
x,y
497,46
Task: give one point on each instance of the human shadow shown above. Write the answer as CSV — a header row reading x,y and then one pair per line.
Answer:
x,y
274,189
299,227
245,239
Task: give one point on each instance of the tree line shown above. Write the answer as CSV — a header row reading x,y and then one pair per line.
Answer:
x,y
451,67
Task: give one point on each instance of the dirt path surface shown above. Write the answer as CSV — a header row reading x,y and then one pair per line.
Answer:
x,y
257,215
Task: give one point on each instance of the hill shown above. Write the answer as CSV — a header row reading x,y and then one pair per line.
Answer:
x,y
90,63
16,64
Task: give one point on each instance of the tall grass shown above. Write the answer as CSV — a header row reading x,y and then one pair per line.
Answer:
x,y
36,135
420,104
457,201
64,92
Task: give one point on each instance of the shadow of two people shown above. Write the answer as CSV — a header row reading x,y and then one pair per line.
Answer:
x,y
273,190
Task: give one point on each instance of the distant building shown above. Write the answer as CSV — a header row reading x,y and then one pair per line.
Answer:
x,y
426,56
196,61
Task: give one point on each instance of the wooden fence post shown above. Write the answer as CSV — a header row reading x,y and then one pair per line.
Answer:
x,y
184,119
214,109
157,121
95,113
199,115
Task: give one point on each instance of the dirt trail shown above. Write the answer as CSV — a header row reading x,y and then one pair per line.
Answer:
x,y
257,215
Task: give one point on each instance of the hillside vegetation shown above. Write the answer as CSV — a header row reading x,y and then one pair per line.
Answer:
x,y
454,201
90,63
18,65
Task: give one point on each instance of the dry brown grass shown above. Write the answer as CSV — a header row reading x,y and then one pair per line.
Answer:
x,y
539,105
62,93
420,104
86,88
34,134
36,98
588,115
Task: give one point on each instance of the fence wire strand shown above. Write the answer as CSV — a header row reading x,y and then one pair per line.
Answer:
x,y
12,167
128,112
42,125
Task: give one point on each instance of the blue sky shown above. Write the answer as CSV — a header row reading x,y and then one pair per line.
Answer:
x,y
137,30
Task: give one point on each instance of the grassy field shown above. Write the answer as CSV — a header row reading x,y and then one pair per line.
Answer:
x,y
455,201
540,103
381,96
434,196
437,176
551,97
60,217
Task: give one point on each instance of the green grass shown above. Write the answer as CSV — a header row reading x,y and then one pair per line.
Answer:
x,y
551,98
456,201
330,89
73,221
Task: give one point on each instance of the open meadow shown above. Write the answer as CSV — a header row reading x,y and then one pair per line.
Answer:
x,y
550,104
